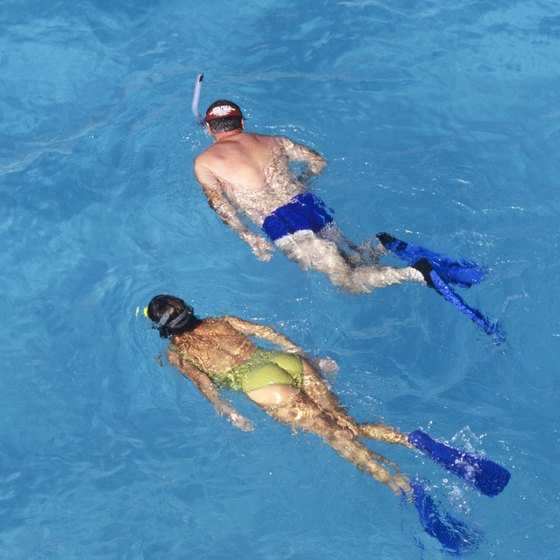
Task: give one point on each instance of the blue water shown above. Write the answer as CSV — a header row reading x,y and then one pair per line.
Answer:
x,y
441,124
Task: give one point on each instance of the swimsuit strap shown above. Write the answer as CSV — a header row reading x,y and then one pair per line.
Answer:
x,y
228,379
184,355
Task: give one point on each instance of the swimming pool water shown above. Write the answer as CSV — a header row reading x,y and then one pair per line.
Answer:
x,y
440,123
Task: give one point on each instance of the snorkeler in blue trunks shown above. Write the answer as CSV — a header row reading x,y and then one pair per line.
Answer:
x,y
247,175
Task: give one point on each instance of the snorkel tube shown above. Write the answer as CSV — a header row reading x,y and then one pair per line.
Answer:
x,y
196,99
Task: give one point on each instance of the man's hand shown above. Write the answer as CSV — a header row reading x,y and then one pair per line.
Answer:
x,y
261,248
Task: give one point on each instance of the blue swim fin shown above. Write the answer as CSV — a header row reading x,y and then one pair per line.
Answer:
x,y
437,283
487,477
461,272
456,537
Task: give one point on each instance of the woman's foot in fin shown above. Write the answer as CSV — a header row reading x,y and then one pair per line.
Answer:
x,y
455,536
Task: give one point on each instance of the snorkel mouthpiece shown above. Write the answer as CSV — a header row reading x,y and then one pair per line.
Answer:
x,y
144,312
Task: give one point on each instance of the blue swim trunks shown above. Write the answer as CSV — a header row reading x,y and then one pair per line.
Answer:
x,y
304,212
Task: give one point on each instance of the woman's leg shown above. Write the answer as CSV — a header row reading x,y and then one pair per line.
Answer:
x,y
316,389
382,432
294,408
325,399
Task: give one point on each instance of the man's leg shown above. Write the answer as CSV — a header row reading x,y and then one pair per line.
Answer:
x,y
310,250
355,255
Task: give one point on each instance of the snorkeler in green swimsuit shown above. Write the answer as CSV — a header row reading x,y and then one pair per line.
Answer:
x,y
216,353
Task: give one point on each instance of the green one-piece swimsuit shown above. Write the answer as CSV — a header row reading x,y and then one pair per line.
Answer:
x,y
262,368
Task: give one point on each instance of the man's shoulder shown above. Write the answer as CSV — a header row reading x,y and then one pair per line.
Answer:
x,y
206,156
263,137
203,167
207,151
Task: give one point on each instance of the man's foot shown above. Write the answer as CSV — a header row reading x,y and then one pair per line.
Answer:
x,y
424,268
385,239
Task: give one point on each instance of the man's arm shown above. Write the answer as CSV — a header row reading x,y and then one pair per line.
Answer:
x,y
214,192
206,386
264,332
297,152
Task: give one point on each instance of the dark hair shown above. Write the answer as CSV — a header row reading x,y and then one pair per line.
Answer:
x,y
224,124
171,315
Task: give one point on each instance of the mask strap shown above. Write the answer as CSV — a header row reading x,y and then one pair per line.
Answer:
x,y
163,320
180,319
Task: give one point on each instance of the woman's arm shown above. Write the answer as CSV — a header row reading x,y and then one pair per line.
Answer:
x,y
264,332
325,365
207,387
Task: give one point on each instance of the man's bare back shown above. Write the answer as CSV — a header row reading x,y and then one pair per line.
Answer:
x,y
252,171
246,174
